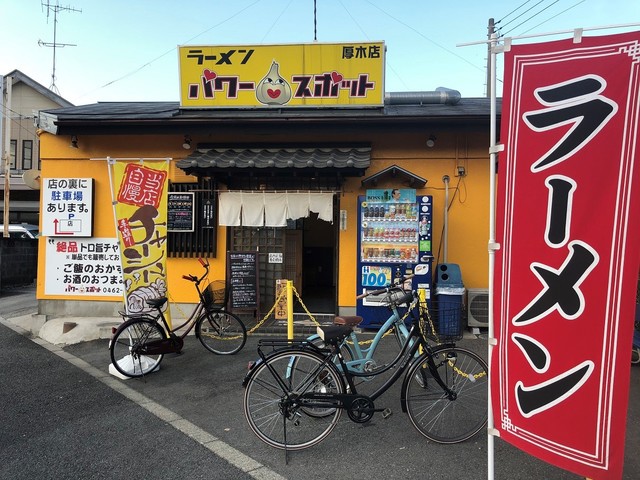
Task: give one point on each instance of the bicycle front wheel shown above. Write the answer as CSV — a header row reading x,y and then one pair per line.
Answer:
x,y
131,347
222,333
447,416
276,413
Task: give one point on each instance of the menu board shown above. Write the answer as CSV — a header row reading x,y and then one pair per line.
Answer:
x,y
242,275
180,212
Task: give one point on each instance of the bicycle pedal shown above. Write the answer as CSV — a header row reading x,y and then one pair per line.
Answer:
x,y
386,413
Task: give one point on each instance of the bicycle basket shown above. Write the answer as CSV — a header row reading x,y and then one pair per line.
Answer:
x,y
441,321
215,294
397,296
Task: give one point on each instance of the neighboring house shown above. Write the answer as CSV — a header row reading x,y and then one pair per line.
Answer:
x,y
27,98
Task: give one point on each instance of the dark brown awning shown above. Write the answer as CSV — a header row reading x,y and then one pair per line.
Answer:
x,y
350,161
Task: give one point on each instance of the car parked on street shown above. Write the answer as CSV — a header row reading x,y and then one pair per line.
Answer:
x,y
22,230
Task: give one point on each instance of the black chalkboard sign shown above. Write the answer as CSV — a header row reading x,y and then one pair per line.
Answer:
x,y
180,211
242,276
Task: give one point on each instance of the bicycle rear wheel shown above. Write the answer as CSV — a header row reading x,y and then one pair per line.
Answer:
x,y
438,416
275,412
128,347
222,333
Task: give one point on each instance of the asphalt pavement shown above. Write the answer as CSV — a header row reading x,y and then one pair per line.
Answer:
x,y
64,416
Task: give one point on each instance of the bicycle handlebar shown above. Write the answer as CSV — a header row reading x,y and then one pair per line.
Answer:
x,y
385,289
195,279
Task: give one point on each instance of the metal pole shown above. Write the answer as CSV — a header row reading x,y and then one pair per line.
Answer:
x,y
445,232
7,154
110,163
493,246
5,228
491,30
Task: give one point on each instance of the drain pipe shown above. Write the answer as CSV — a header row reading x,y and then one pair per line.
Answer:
x,y
445,233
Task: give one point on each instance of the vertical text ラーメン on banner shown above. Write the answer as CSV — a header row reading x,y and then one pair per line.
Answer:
x,y
566,272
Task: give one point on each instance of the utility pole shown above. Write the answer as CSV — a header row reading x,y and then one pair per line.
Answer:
x,y
491,30
6,149
55,9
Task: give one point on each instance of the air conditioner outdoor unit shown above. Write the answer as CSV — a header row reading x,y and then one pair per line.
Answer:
x,y
478,307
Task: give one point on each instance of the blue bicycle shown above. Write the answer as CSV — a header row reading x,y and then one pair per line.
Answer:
x,y
362,355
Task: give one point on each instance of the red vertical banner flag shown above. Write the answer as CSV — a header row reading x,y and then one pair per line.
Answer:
x,y
140,193
566,272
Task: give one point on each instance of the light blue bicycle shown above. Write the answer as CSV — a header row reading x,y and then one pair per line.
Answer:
x,y
360,355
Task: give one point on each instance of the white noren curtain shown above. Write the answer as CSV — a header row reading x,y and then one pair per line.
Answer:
x,y
272,209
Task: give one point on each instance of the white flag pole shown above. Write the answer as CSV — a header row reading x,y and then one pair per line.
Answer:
x,y
492,247
110,163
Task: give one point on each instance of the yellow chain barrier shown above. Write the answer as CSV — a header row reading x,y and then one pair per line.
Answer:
x,y
249,332
425,317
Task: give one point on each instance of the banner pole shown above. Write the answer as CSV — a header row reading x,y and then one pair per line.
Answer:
x,y
493,150
110,162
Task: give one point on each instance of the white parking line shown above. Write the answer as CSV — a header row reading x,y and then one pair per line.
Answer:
x,y
215,445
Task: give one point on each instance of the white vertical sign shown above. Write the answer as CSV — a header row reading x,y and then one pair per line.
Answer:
x,y
67,207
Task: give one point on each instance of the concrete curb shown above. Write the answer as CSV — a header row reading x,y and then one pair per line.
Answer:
x,y
66,330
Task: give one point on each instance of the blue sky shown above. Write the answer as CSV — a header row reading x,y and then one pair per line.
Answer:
x,y
126,50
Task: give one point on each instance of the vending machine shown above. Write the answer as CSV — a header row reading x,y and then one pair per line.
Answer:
x,y
394,241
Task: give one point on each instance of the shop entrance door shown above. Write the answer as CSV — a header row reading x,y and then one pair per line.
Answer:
x,y
319,269
305,253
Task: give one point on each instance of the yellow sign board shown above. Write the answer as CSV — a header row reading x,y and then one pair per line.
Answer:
x,y
303,75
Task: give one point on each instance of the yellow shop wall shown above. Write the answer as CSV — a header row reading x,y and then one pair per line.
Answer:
x,y
89,161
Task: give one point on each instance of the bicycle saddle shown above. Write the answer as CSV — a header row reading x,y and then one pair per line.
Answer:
x,y
156,302
334,335
351,320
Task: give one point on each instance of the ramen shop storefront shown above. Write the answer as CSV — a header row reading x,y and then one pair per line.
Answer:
x,y
284,203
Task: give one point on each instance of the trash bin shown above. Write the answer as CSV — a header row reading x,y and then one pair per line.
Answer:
x,y
449,292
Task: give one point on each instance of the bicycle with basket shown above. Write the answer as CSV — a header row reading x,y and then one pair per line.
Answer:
x,y
296,392
139,344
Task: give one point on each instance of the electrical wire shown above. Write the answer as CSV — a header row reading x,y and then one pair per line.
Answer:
x,y
424,36
512,11
14,119
172,50
533,16
526,11
555,16
276,21
455,193
387,63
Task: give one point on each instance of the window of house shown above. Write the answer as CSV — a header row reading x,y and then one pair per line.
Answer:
x,y
12,154
27,154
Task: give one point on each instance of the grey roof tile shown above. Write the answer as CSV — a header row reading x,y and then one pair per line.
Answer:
x,y
225,158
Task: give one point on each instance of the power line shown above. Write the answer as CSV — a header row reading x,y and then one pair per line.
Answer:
x,y
555,16
424,36
389,65
512,11
276,21
173,49
533,16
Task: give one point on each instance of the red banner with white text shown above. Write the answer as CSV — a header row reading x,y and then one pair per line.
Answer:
x,y
567,269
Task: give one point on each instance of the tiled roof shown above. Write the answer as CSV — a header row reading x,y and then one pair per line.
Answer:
x,y
300,158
